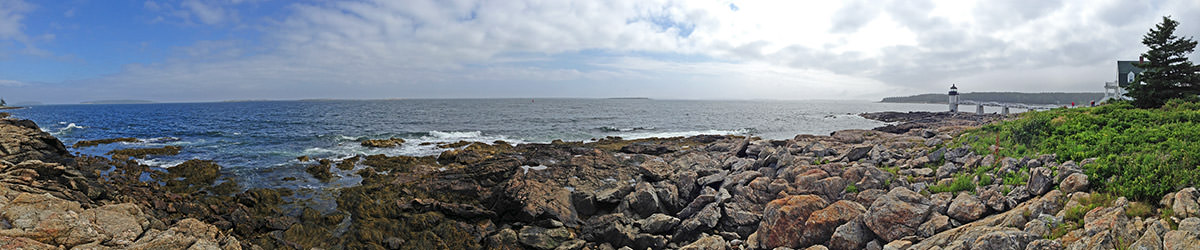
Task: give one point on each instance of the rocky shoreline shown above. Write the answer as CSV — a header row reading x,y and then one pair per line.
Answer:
x,y
901,186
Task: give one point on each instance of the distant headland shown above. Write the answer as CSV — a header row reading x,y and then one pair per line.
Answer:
x,y
1054,98
117,102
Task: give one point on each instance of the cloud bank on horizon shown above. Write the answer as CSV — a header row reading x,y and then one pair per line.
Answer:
x,y
206,50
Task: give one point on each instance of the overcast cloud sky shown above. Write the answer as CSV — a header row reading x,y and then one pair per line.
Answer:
x,y
201,50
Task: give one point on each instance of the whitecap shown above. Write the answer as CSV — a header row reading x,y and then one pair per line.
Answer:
x,y
535,168
160,163
455,135
631,136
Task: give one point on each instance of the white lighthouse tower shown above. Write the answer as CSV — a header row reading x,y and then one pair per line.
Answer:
x,y
953,98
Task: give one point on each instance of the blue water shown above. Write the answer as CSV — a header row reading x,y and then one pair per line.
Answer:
x,y
258,142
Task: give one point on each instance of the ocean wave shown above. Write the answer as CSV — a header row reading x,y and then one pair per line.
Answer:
x,y
70,127
165,139
630,136
617,129
455,135
160,163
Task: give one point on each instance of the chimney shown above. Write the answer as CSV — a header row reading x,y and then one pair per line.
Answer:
x,y
1141,59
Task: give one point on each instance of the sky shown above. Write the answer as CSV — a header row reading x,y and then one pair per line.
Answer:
x,y
68,51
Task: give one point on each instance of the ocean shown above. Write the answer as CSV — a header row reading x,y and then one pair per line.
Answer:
x,y
258,142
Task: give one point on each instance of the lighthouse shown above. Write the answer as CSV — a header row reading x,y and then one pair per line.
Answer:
x,y
953,98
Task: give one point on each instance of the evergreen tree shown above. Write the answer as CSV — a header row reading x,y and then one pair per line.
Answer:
x,y
1169,74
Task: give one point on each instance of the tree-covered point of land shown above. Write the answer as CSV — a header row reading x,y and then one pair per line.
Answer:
x,y
1169,74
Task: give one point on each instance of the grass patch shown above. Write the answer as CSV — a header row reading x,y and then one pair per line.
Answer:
x,y
961,182
1137,148
1139,210
851,188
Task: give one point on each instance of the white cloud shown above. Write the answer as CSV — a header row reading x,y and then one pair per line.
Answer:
x,y
779,50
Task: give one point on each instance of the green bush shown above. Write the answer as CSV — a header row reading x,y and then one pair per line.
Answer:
x,y
962,182
1136,149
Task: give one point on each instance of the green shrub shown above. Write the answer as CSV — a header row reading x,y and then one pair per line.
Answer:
x,y
851,188
961,182
1138,210
1136,148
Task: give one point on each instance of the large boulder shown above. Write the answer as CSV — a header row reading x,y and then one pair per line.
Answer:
x,y
658,224
1004,240
1185,204
713,242
1041,180
966,208
852,235
1075,182
897,214
1180,240
642,202
47,219
821,223
783,220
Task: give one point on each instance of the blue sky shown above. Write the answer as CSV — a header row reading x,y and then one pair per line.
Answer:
x,y
211,50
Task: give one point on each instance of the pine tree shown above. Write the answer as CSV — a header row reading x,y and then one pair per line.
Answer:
x,y
1169,74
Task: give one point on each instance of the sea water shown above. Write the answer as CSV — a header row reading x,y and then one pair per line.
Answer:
x,y
258,142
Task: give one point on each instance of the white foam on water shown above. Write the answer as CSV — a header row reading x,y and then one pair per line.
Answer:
x,y
68,128
631,136
535,168
160,163
456,135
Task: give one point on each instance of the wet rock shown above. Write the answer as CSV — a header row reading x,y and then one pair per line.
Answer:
x,y
383,143
897,214
542,238
192,175
658,224
821,224
1074,183
966,208
1041,180
784,219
